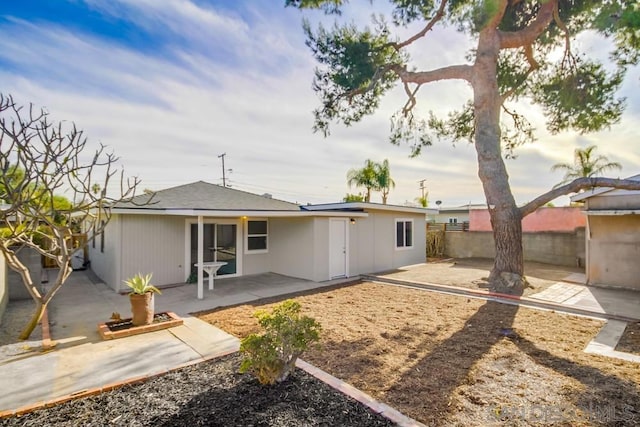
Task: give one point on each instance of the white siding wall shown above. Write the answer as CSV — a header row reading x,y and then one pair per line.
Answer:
x,y
256,263
362,245
292,247
373,244
107,264
321,269
153,244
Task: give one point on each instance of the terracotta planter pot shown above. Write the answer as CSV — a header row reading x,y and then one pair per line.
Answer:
x,y
142,308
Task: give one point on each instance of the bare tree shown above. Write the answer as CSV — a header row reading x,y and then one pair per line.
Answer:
x,y
41,160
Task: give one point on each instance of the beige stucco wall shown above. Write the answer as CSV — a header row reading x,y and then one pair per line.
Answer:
x,y
551,248
613,248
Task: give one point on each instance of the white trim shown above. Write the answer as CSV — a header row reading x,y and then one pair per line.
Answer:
x,y
248,251
614,212
237,213
363,205
395,234
346,246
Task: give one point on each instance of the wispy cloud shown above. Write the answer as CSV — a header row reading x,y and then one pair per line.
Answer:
x,y
238,80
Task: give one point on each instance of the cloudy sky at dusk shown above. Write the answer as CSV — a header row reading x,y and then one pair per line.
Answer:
x,y
170,85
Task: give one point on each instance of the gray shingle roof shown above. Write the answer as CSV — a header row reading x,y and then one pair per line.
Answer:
x,y
205,196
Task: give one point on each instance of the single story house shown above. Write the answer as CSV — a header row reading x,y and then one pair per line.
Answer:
x,y
252,234
452,215
612,236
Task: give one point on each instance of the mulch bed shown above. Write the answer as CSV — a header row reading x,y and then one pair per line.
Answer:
x,y
210,394
630,340
119,325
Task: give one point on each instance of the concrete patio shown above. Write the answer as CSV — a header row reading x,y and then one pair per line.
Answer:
x,y
84,297
82,363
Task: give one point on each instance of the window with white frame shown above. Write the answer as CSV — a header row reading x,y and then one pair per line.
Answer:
x,y
404,233
256,235
453,220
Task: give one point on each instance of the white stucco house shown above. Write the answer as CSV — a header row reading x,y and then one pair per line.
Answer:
x,y
612,236
253,234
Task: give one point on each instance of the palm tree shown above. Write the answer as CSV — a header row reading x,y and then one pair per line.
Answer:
x,y
365,177
383,179
423,200
585,165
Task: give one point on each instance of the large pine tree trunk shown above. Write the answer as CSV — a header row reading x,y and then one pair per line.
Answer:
x,y
508,269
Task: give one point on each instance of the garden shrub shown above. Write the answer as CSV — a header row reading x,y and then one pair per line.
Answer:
x,y
272,355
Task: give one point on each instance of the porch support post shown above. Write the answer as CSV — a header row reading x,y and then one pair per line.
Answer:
x,y
200,258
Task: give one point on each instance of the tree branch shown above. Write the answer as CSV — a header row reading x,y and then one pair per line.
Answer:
x,y
515,39
438,16
462,72
574,187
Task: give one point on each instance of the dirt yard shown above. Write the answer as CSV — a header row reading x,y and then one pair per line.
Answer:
x,y
450,360
472,273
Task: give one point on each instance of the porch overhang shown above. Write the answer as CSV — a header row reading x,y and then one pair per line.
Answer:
x,y
239,213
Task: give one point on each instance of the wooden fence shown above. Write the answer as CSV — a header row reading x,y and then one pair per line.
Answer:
x,y
445,226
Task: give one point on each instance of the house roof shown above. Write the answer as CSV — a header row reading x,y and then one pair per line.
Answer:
x,y
202,195
202,198
600,191
363,206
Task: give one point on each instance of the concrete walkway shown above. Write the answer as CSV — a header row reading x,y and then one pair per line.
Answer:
x,y
570,294
82,363
613,303
95,366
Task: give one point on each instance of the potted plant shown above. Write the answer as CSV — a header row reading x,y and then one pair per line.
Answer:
x,y
141,297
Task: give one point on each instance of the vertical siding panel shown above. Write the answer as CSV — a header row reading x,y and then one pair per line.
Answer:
x,y
107,264
153,244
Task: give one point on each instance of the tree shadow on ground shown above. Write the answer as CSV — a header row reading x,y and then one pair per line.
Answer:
x,y
605,399
428,386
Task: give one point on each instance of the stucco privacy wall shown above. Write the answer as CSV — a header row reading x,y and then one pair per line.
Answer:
x,y
4,287
614,251
550,248
613,238
565,219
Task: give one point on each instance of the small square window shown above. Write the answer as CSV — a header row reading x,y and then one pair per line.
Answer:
x,y
256,236
404,233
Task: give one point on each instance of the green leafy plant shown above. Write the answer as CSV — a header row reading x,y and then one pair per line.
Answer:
x,y
272,355
139,284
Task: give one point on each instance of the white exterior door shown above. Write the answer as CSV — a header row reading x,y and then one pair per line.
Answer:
x,y
338,248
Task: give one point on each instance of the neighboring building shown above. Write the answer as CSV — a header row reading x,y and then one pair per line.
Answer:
x,y
453,215
253,234
613,236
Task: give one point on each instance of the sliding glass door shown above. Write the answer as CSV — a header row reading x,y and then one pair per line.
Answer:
x,y
219,243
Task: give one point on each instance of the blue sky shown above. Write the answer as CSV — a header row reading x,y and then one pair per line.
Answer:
x,y
169,85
